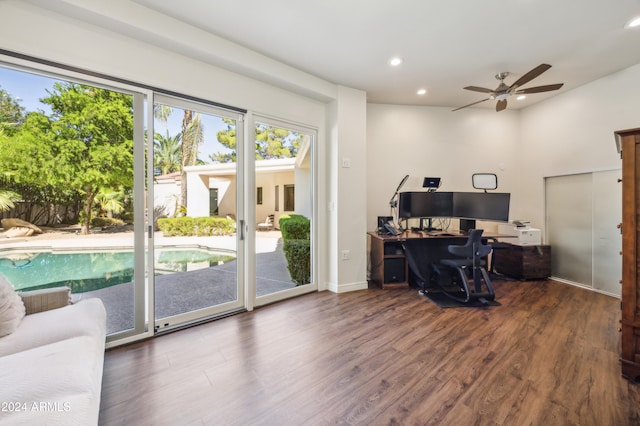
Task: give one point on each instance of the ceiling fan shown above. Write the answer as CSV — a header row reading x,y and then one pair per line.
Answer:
x,y
502,92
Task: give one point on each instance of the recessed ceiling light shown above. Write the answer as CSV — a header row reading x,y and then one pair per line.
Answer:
x,y
422,92
635,22
394,62
521,97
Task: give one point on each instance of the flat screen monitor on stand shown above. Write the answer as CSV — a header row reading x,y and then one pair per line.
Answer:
x,y
472,206
426,206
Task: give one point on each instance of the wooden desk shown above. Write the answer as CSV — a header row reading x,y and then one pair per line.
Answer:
x,y
389,267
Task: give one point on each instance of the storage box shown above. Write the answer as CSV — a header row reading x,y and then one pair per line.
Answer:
x,y
525,236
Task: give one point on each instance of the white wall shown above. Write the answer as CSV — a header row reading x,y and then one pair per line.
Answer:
x,y
268,182
303,191
347,205
573,133
436,142
166,196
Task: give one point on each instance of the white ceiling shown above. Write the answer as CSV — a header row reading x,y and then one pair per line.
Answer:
x,y
446,45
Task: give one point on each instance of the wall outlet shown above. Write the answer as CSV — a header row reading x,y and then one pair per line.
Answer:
x,y
346,254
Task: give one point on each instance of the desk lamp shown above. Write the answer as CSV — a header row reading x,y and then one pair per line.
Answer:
x,y
393,202
484,181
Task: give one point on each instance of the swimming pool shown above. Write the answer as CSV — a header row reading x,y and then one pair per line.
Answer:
x,y
92,270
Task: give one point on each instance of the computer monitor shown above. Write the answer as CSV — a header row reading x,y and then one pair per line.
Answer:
x,y
492,206
425,204
432,183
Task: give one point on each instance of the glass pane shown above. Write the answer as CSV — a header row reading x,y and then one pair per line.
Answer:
x,y
283,160
607,239
66,190
195,209
569,205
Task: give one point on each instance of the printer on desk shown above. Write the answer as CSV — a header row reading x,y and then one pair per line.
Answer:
x,y
526,236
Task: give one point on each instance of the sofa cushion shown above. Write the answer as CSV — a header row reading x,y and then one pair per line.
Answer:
x,y
11,308
45,299
55,384
85,318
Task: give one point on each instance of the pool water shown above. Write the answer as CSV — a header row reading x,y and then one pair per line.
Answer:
x,y
87,271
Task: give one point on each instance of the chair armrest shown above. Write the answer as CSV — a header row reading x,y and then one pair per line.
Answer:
x,y
46,299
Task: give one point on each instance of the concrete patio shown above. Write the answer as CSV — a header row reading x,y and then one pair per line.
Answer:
x,y
178,292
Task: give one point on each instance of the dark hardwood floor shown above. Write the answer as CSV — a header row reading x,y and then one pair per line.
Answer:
x,y
547,356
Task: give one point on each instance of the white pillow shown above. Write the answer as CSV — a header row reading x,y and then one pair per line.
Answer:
x,y
11,308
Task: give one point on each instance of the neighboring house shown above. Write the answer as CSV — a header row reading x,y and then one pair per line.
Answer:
x,y
282,186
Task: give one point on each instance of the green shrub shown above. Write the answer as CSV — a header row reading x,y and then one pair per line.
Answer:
x,y
298,255
196,226
295,227
104,222
296,233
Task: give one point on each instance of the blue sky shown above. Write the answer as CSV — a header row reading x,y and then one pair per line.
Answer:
x,y
28,89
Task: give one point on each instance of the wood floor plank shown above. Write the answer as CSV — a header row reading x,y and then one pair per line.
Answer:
x,y
547,356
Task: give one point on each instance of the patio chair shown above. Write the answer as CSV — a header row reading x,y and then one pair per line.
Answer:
x,y
267,225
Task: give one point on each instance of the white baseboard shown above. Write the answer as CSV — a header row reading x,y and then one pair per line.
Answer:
x,y
585,286
344,288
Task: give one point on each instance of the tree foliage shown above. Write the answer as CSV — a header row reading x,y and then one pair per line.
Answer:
x,y
7,199
192,138
110,201
270,143
11,113
84,145
167,152
227,138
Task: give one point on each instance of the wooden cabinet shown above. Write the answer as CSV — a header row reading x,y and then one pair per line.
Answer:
x,y
387,262
628,142
523,262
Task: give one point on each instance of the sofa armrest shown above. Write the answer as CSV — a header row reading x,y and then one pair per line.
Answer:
x,y
46,299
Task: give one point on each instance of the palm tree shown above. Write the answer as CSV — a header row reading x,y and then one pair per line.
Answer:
x,y
7,199
162,112
166,152
192,138
110,200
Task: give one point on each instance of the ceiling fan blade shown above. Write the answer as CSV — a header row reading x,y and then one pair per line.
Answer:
x,y
478,89
530,75
501,104
470,104
539,89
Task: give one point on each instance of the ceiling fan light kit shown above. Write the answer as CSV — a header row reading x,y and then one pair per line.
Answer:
x,y
502,92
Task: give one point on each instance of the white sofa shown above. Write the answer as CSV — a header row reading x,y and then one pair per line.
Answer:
x,y
51,365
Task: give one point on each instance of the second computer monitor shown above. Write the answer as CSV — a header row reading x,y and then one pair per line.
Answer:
x,y
425,204
483,206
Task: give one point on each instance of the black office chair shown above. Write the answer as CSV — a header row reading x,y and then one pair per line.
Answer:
x,y
469,278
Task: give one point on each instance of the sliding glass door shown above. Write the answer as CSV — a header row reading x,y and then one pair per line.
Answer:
x,y
197,238
143,200
284,209
72,161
